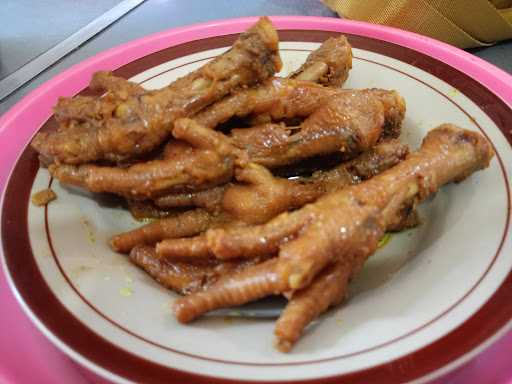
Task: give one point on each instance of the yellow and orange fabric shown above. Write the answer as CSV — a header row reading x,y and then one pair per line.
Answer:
x,y
463,23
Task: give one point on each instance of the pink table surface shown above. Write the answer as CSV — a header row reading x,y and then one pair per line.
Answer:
x,y
26,356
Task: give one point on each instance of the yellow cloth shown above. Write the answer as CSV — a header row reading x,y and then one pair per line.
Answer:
x,y
463,23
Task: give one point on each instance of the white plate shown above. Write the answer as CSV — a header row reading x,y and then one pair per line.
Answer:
x,y
420,293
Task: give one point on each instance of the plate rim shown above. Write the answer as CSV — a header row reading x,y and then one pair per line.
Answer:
x,y
489,76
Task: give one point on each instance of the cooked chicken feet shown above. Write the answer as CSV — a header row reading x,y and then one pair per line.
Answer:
x,y
350,122
261,196
185,277
187,224
208,162
126,124
329,64
342,226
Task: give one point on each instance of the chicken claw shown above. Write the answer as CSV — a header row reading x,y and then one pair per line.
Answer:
x,y
262,196
208,162
343,226
187,224
329,65
126,124
185,277
251,283
266,196
328,289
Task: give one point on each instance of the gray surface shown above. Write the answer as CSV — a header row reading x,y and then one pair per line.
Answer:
x,y
499,54
28,28
34,67
150,17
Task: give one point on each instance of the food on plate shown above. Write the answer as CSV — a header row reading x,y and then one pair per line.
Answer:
x,y
258,196
349,122
208,161
209,199
341,227
329,65
146,210
185,251
267,196
158,175
182,225
281,99
262,197
251,198
125,123
207,155
326,290
43,197
186,277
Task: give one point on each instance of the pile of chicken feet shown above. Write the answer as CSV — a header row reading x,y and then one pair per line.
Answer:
x,y
231,228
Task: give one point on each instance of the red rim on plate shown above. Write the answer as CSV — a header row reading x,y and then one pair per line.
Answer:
x,y
459,69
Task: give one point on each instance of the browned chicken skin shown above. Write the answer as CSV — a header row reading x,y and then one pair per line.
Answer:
x,y
185,277
155,177
329,288
383,188
106,81
266,196
143,210
125,123
263,198
288,98
251,283
343,226
187,224
328,65
207,162
297,95
209,199
259,190
279,98
350,122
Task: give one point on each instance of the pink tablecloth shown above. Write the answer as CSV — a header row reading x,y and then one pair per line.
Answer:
x,y
27,357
